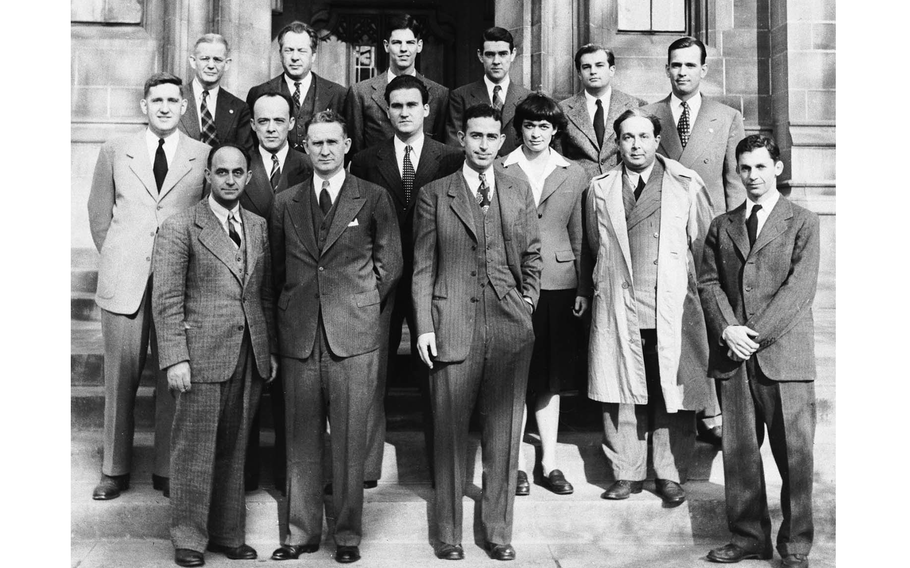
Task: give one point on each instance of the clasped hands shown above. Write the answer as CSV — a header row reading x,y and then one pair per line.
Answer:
x,y
739,340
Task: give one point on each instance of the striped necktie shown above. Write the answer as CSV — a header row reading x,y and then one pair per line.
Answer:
x,y
275,176
497,100
209,134
232,232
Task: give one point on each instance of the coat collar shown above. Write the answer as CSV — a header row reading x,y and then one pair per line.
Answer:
x,y
348,204
140,165
215,239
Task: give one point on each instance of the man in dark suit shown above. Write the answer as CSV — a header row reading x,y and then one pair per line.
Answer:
x,y
212,303
214,115
402,164
589,139
497,52
476,280
367,111
757,283
337,256
139,181
311,93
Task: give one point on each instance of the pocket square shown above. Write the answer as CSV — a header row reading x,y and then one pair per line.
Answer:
x,y
353,223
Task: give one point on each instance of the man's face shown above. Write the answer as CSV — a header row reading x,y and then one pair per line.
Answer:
x,y
407,111
228,176
758,172
326,146
496,59
481,142
297,55
686,71
271,121
163,106
402,47
210,61
595,71
637,143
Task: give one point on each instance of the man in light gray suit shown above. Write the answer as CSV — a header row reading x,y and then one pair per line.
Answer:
x,y
139,181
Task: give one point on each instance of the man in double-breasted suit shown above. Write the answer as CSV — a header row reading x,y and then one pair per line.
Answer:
x,y
214,115
310,93
402,165
476,281
367,112
757,283
212,304
496,54
589,138
139,181
337,256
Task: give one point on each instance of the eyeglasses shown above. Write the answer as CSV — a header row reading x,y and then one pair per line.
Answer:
x,y
205,60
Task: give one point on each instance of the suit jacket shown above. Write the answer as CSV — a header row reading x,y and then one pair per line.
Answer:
x,y
232,120
367,112
346,281
327,95
476,93
258,195
579,141
445,242
125,210
769,288
203,302
711,150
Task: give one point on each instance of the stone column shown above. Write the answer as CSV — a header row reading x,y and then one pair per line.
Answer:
x,y
247,25
184,22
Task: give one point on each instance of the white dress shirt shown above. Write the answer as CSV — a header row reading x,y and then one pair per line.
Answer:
x,y
335,183
769,200
416,149
267,158
473,179
491,85
390,75
304,86
694,106
222,214
170,146
633,176
554,160
210,103
591,103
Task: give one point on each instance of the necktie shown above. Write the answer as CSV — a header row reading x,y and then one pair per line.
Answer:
x,y
407,175
683,125
209,135
497,100
640,187
483,194
275,176
599,123
752,225
296,97
232,232
159,168
325,200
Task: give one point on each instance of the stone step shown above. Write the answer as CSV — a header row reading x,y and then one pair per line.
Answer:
x,y
83,307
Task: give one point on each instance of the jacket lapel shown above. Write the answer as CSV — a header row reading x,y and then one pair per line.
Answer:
x,y
578,115
736,228
379,83
213,237
508,106
461,204
556,178
139,163
428,164
259,188
302,215
253,242
224,113
669,137
616,213
775,225
190,119
349,204
649,200
702,130
387,163
182,165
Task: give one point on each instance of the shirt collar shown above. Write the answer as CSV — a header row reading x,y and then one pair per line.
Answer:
x,y
516,156
771,199
304,85
335,183
390,75
416,147
491,85
473,179
198,88
267,156
633,176
222,213
589,98
694,103
152,139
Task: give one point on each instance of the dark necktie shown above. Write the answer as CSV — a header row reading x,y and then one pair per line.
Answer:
x,y
599,123
683,125
752,225
159,168
232,232
275,176
209,135
296,98
497,100
325,200
407,175
640,187
483,194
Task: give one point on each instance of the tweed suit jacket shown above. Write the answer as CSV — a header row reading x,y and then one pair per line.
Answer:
x,y
476,93
125,210
445,242
359,264
579,142
258,195
232,120
202,301
367,112
768,288
711,150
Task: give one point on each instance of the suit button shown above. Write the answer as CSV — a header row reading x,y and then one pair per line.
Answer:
x,y
239,259
148,258
152,234
483,284
706,160
656,235
473,300
159,208
473,273
655,262
748,288
474,247
321,269
625,285
540,215
239,328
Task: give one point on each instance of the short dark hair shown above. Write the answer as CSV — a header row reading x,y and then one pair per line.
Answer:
x,y
482,110
593,48
325,117
655,122
497,34
282,96
403,22
162,78
298,28
402,82
688,41
756,141
214,150
538,106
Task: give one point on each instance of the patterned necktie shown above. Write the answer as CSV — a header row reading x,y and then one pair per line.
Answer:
x,y
497,100
275,176
640,187
325,200
159,168
599,123
683,125
232,232
209,134
296,97
407,175
752,225
483,194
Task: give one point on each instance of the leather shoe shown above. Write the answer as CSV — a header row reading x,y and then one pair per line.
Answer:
x,y
242,552
524,486
293,551
500,551
187,557
732,553
713,435
672,493
795,561
370,484
621,489
162,484
281,484
347,554
450,552
110,486
556,482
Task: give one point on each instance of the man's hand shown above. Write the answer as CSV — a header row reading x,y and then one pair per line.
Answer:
x,y
734,356
178,376
739,339
426,346
273,368
581,306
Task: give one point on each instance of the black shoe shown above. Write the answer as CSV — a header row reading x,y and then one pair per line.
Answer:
x,y
713,435
524,486
621,489
500,551
242,552
795,561
110,487
347,554
281,484
187,557
162,484
732,553
292,552
450,552
556,482
370,484
671,492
